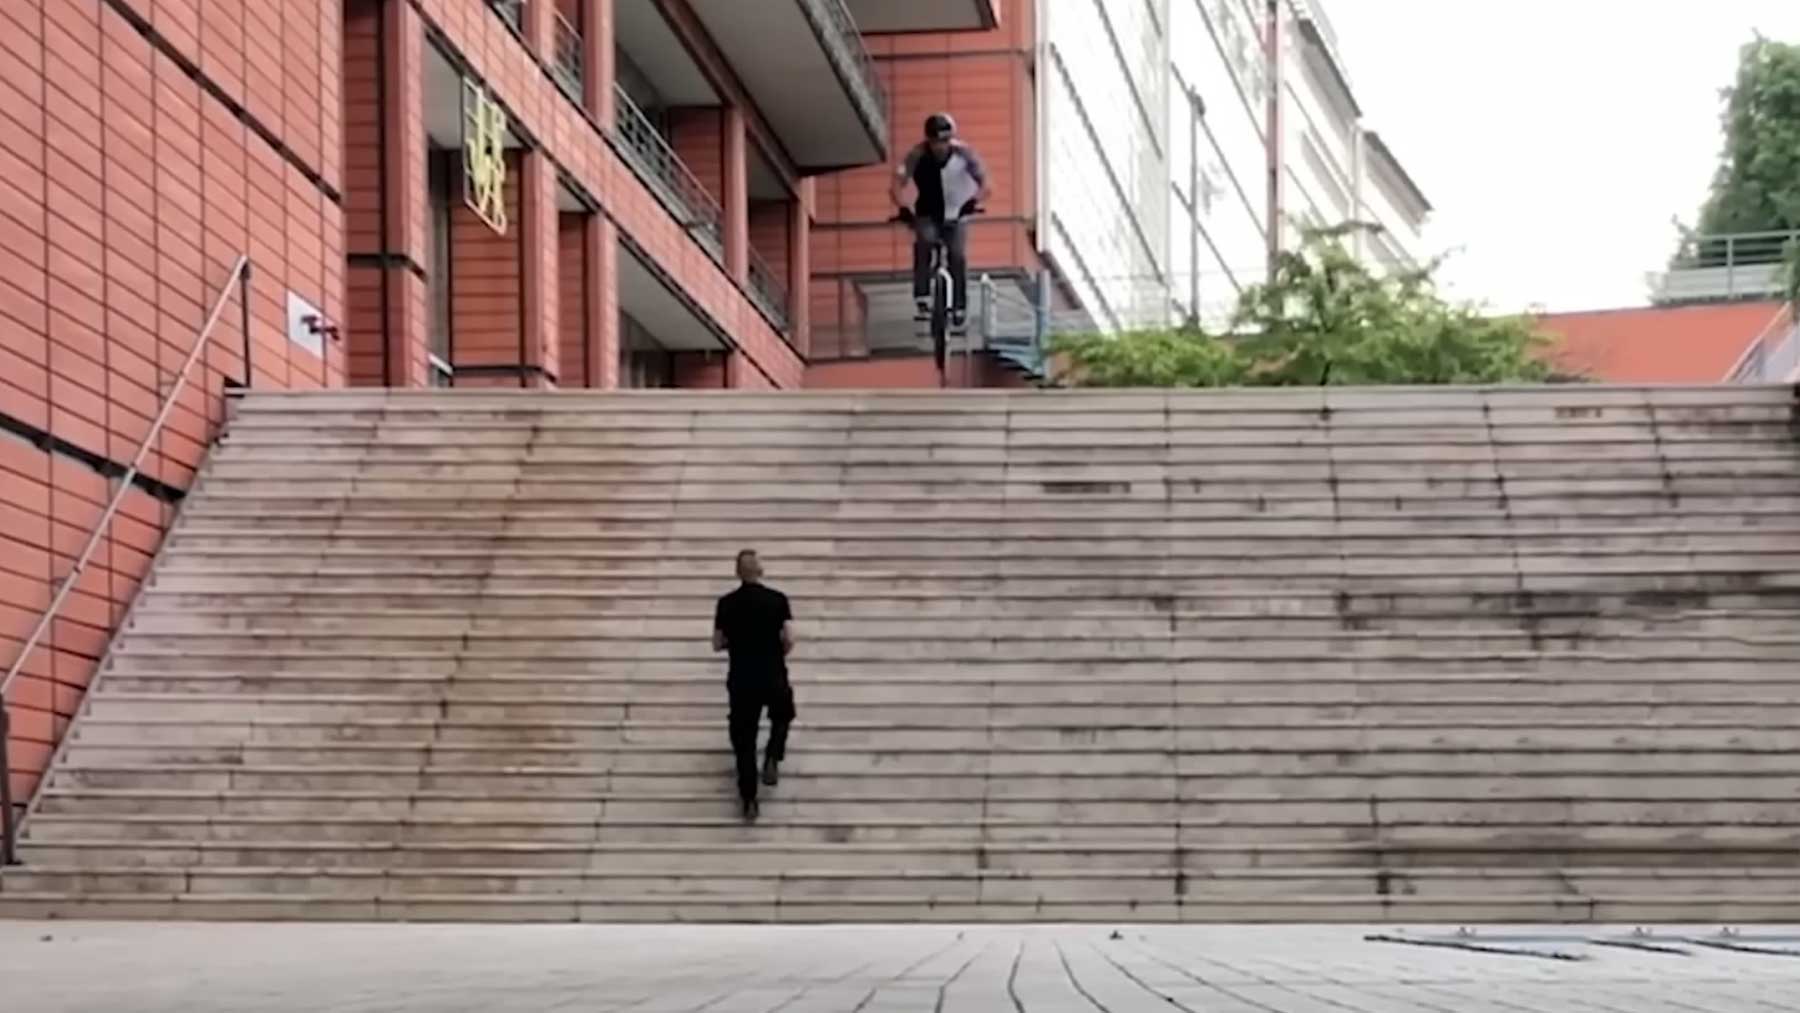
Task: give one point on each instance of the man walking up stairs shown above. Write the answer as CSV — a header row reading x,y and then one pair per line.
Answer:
x,y
755,626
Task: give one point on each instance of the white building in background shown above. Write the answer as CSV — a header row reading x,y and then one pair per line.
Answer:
x,y
1154,153
1103,158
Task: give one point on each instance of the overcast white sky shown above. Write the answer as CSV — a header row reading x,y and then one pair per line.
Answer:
x,y
1555,137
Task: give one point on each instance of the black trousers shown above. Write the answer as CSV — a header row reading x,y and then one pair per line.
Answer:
x,y
956,245
749,697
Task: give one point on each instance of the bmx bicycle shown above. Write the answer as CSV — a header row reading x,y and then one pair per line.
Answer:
x,y
942,288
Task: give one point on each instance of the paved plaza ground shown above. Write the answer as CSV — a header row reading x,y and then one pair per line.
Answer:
x,y
193,968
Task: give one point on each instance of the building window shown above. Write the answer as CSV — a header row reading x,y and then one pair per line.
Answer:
x,y
643,362
442,169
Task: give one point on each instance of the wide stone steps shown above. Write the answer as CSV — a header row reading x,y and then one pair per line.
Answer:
x,y
965,796
902,647
425,623
389,714
808,812
408,742
1667,603
1145,872
1322,655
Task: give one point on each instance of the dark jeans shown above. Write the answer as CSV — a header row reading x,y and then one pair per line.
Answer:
x,y
956,241
748,698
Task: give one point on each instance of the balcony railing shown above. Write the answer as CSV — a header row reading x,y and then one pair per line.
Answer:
x,y
567,66
1774,355
768,291
513,11
843,42
1744,265
662,170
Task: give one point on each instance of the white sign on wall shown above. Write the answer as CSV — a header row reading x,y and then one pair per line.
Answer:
x,y
305,324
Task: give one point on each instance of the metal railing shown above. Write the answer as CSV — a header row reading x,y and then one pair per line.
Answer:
x,y
844,46
1774,354
649,152
1742,265
240,273
1782,363
768,291
567,64
513,11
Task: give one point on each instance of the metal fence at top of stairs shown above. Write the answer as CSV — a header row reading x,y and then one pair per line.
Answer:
x,y
236,282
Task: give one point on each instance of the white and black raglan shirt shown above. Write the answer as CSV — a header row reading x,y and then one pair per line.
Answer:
x,y
944,187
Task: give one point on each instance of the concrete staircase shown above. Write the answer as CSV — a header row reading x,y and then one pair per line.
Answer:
x,y
1423,655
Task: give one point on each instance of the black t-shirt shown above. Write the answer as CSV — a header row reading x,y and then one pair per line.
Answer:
x,y
943,187
751,619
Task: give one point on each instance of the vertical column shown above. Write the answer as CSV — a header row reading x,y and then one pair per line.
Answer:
x,y
1272,42
540,28
800,267
386,193
405,200
735,198
537,268
597,61
602,237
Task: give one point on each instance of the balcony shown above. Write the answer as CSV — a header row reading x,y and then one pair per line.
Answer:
x,y
876,16
567,63
1722,268
805,67
649,154
511,11
770,294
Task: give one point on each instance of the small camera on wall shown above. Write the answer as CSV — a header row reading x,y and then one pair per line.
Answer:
x,y
307,325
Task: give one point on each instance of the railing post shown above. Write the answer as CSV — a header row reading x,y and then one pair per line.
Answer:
x,y
8,853
244,323
1040,329
987,311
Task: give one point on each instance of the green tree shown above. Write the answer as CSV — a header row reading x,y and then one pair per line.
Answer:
x,y
1757,185
1324,318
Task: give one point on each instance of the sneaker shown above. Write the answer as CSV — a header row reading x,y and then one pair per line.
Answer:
x,y
771,774
959,324
752,809
921,310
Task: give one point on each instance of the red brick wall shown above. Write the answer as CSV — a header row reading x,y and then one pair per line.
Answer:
x,y
127,190
486,297
697,135
363,192
387,317
702,370
984,80
572,333
910,373
589,163
771,222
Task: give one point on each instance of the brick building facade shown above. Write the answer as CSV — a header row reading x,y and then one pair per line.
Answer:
x,y
658,198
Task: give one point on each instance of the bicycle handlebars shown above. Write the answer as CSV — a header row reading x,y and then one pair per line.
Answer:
x,y
906,215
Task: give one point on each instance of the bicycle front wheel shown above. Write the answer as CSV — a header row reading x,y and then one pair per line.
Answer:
x,y
940,319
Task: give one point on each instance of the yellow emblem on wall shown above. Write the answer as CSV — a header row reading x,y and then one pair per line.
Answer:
x,y
484,156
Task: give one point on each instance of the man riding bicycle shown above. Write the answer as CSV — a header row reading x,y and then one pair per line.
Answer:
x,y
950,184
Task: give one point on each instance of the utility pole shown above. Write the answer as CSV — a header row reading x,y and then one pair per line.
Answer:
x,y
1272,53
1197,109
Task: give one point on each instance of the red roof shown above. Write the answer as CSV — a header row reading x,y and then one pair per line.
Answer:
x,y
1659,344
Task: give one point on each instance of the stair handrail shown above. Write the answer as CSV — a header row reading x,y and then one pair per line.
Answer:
x,y
239,272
